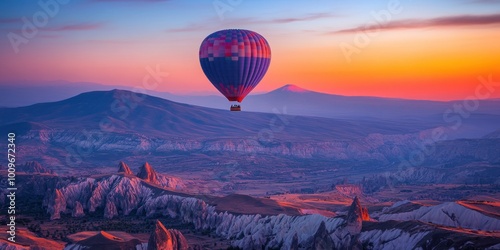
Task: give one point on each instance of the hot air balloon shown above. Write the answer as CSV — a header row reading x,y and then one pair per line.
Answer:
x,y
235,61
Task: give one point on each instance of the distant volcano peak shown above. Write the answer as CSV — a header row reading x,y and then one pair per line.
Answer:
x,y
292,88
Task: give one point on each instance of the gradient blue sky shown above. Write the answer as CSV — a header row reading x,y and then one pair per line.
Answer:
x,y
112,41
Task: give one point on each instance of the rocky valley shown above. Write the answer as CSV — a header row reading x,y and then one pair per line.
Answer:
x,y
140,172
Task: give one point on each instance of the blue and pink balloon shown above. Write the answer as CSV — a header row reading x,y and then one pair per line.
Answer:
x,y
235,61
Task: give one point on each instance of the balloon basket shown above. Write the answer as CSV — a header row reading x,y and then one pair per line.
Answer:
x,y
235,107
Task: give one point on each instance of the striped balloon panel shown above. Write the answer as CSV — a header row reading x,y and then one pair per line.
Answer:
x,y
235,61
235,79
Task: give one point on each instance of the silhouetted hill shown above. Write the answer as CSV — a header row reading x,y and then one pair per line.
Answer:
x,y
124,111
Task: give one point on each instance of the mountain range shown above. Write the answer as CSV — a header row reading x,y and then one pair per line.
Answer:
x,y
297,100
102,127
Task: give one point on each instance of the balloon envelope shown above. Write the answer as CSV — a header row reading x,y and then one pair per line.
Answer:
x,y
235,61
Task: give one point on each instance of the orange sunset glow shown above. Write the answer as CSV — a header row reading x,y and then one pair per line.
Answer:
x,y
418,61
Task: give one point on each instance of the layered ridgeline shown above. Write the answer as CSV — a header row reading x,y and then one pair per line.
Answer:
x,y
82,134
96,128
297,100
121,195
113,125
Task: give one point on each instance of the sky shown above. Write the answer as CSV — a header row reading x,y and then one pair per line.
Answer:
x,y
427,49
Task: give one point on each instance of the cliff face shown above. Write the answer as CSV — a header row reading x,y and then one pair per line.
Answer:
x,y
78,210
57,205
377,148
124,168
295,243
147,173
355,217
348,234
372,147
109,193
166,239
322,239
349,190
